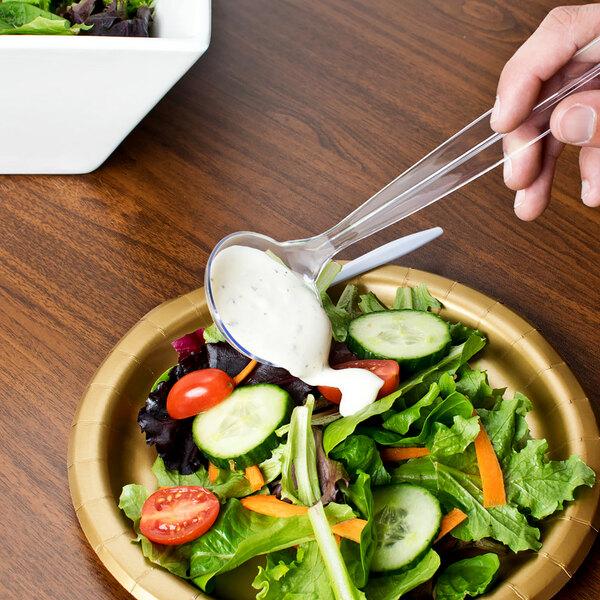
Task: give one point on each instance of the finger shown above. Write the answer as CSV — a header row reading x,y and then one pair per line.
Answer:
x,y
589,163
522,165
562,33
531,201
575,119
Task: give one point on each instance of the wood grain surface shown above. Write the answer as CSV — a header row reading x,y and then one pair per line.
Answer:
x,y
298,112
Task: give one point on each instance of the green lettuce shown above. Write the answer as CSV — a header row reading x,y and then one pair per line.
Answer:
x,y
415,298
541,486
294,575
239,534
175,559
31,19
459,489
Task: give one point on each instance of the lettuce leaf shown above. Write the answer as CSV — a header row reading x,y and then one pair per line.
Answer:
x,y
506,426
459,489
471,576
29,18
415,298
541,486
294,575
239,534
448,441
175,559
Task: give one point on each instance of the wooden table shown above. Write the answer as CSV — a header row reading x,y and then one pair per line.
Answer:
x,y
298,112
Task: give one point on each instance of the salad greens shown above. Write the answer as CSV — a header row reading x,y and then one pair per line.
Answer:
x,y
87,17
331,465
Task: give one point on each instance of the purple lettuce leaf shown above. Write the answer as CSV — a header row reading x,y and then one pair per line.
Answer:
x,y
330,471
78,12
113,21
173,437
339,354
190,342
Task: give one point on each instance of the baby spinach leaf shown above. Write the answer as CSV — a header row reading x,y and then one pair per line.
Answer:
x,y
358,556
471,576
392,587
400,422
359,453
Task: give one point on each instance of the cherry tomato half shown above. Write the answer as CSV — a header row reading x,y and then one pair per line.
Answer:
x,y
175,515
388,370
198,391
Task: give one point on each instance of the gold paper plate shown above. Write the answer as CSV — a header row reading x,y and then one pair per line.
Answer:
x,y
107,450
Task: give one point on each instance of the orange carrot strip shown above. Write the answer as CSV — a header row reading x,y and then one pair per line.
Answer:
x,y
492,480
338,539
255,477
244,372
272,507
395,454
350,529
213,472
450,521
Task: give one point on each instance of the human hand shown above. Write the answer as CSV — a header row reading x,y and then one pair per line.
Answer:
x,y
537,66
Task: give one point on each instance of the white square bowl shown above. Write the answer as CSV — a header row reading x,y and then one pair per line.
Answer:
x,y
66,102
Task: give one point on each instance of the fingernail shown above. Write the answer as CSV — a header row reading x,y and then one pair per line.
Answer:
x,y
519,198
577,124
507,168
495,111
585,190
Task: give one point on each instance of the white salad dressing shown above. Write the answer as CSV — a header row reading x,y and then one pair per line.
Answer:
x,y
273,314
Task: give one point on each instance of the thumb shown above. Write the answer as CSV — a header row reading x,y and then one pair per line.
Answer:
x,y
575,119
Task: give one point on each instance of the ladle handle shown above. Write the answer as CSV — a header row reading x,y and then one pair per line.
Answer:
x,y
471,152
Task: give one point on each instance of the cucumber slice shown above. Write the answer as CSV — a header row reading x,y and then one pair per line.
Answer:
x,y
415,339
407,520
242,427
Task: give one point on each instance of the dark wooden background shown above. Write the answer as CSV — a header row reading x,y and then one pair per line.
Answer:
x,y
298,112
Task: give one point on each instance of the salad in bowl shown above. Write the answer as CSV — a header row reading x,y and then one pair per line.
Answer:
x,y
426,492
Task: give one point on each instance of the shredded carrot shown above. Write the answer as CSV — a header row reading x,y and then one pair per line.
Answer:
x,y
273,507
350,529
338,539
244,372
395,454
213,472
450,521
255,477
492,480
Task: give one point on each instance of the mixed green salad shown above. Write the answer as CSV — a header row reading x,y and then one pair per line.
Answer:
x,y
423,493
132,18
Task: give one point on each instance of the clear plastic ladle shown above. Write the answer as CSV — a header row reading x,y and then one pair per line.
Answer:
x,y
471,152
